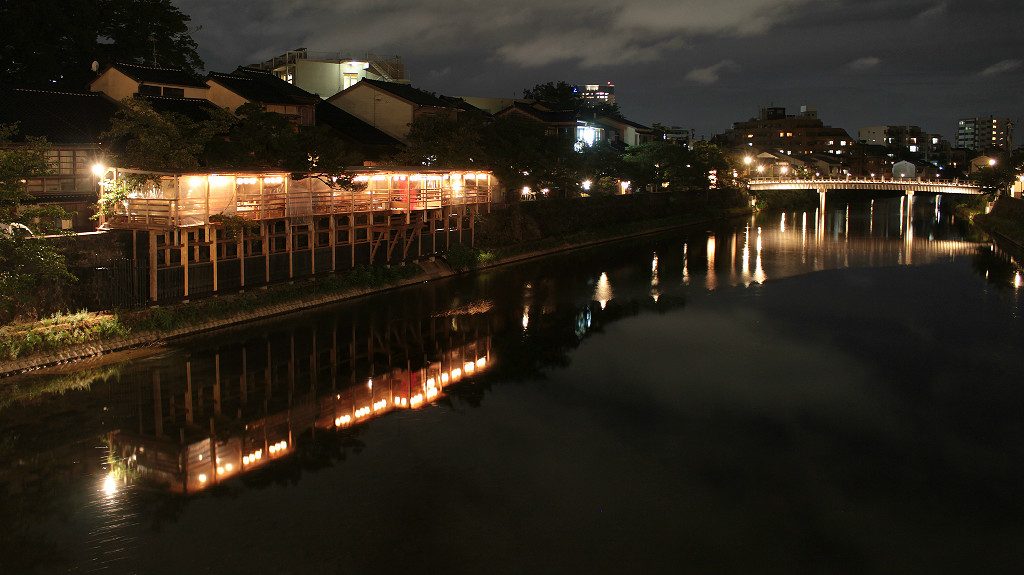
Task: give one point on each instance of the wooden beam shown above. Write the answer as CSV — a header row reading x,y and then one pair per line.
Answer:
x,y
212,238
333,227
183,238
153,293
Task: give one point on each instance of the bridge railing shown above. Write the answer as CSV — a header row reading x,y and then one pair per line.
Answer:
x,y
882,180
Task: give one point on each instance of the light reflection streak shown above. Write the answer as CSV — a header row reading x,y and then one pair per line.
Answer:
x,y
603,292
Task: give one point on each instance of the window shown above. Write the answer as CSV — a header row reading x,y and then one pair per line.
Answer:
x,y
149,90
174,92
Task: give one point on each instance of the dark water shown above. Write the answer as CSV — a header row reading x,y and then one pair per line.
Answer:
x,y
775,395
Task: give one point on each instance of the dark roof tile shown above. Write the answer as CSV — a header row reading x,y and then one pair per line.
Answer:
x,y
408,93
155,75
262,87
60,117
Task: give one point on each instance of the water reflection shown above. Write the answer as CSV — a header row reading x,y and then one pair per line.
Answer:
x,y
259,406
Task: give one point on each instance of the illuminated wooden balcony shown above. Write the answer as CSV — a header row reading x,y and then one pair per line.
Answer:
x,y
168,201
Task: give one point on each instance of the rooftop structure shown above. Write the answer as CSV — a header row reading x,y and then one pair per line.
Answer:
x,y
327,73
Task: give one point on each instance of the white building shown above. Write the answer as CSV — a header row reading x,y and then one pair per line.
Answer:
x,y
327,73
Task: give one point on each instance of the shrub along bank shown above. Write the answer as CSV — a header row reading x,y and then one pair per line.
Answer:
x,y
1006,221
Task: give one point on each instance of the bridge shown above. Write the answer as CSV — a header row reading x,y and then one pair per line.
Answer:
x,y
906,185
909,187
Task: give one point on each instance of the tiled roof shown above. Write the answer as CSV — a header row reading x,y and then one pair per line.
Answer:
x,y
546,116
408,93
262,87
155,75
611,120
351,127
193,108
60,117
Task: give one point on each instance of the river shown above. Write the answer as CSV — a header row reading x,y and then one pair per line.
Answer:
x,y
785,393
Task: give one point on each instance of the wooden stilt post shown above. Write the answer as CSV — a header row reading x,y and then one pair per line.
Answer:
x,y
265,231
211,236
153,292
288,239
333,230
240,252
185,257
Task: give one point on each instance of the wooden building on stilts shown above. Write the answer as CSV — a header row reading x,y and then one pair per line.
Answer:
x,y
202,233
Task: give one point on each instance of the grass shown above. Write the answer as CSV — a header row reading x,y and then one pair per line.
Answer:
x,y
58,331
64,330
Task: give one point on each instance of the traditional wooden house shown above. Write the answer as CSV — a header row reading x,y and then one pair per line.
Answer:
x,y
246,85
123,80
72,123
206,233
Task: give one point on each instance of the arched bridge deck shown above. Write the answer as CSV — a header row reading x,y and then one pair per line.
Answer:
x,y
897,185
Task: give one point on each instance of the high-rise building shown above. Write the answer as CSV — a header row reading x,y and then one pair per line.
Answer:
x,y
327,73
984,133
596,93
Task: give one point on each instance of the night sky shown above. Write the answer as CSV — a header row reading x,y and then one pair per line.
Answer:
x,y
700,64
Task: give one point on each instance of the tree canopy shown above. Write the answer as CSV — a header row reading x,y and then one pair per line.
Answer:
x,y
54,42
31,269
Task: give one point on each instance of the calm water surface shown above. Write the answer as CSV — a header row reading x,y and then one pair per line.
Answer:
x,y
781,394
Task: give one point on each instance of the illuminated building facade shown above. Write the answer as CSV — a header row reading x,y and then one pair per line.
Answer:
x,y
291,225
789,134
984,133
596,93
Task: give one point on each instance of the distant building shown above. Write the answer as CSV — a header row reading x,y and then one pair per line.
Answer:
x,y
560,123
929,147
674,134
327,73
788,134
984,133
627,132
596,93
392,107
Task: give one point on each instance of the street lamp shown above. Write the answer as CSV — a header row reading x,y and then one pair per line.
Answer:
x,y
99,170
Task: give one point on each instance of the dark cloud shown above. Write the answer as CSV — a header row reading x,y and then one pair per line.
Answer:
x,y
696,63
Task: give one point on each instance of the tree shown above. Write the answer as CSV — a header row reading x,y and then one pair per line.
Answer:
x,y
555,95
163,141
441,141
54,42
31,269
